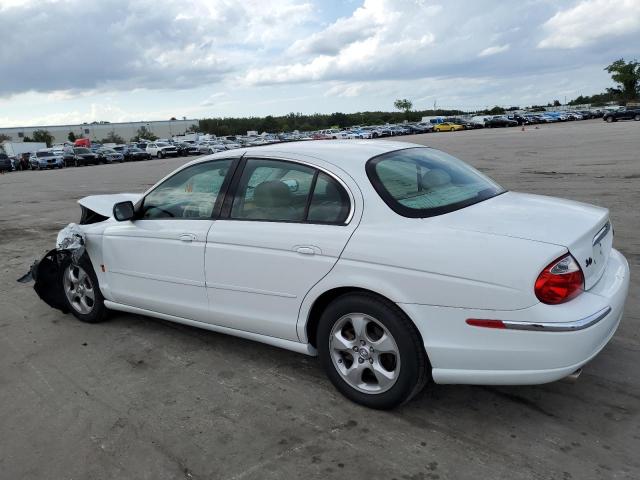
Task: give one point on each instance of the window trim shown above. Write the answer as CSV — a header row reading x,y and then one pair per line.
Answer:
x,y
397,207
217,207
230,196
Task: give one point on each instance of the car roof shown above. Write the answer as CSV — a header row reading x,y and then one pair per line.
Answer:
x,y
338,152
349,155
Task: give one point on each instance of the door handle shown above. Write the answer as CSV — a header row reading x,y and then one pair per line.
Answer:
x,y
187,237
306,250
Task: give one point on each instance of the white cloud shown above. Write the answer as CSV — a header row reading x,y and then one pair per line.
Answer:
x,y
125,45
591,20
494,50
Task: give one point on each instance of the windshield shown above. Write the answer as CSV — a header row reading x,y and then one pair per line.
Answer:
x,y
82,150
423,182
44,154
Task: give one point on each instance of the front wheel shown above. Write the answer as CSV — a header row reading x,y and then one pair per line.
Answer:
x,y
609,119
637,118
82,292
160,155
371,351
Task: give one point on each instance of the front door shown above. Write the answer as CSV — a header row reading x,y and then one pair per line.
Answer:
x,y
156,262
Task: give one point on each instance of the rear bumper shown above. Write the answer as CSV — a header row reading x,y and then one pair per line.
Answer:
x,y
574,333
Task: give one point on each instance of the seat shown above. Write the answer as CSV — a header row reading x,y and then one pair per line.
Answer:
x,y
330,209
273,201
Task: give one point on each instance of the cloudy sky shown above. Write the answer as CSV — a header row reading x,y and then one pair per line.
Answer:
x,y
68,61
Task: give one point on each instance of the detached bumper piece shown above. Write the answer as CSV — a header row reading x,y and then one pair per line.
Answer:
x,y
47,275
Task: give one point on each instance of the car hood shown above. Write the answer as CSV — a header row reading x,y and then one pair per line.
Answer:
x,y
103,204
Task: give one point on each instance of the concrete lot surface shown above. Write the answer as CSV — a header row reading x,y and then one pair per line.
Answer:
x,y
137,398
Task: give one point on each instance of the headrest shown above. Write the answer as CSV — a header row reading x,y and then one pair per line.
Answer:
x,y
435,178
272,193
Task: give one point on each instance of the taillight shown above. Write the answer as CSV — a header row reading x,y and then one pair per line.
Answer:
x,y
560,281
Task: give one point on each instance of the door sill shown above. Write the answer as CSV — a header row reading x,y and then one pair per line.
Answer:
x,y
298,347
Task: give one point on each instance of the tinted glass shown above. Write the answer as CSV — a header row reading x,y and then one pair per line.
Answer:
x,y
44,154
421,182
329,203
191,193
273,190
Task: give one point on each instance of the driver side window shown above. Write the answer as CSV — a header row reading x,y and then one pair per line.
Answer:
x,y
191,193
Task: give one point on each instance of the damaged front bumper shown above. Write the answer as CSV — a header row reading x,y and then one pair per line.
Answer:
x,y
47,272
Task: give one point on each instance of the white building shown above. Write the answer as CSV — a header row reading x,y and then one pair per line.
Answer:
x,y
98,131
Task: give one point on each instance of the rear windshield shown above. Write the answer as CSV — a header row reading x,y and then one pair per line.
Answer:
x,y
423,182
44,154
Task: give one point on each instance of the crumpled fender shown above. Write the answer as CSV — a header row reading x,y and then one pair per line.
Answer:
x,y
47,272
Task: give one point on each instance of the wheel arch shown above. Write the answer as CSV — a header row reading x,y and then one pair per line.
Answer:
x,y
323,300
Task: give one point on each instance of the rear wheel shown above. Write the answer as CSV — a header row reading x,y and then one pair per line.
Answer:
x,y
371,351
637,117
82,292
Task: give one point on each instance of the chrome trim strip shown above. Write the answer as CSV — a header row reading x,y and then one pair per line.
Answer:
x,y
559,326
602,233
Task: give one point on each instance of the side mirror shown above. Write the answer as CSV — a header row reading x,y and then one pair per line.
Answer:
x,y
123,211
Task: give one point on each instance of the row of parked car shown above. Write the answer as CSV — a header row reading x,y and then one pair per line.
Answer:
x,y
65,155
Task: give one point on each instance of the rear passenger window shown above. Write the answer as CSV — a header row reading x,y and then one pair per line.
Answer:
x,y
273,190
282,191
330,202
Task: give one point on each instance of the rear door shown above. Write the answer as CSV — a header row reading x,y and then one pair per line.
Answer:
x,y
283,230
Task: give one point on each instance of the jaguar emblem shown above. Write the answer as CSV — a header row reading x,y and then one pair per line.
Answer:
x,y
589,262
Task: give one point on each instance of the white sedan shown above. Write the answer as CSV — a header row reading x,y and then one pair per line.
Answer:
x,y
395,263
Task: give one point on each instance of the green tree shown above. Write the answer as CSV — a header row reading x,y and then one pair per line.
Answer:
x,y
4,138
43,136
627,75
143,133
403,104
72,137
495,111
556,103
113,138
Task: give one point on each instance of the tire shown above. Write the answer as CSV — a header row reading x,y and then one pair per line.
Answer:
x,y
609,119
637,118
80,283
160,155
403,373
76,163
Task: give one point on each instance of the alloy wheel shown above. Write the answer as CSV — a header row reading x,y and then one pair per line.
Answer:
x,y
79,289
364,353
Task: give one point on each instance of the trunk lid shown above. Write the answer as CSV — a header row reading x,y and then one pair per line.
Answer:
x,y
585,230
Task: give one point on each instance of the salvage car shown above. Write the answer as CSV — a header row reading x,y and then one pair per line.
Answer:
x,y
161,150
395,263
43,159
447,127
83,156
134,153
622,114
110,155
6,165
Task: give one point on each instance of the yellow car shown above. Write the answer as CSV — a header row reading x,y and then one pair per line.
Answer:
x,y
447,127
